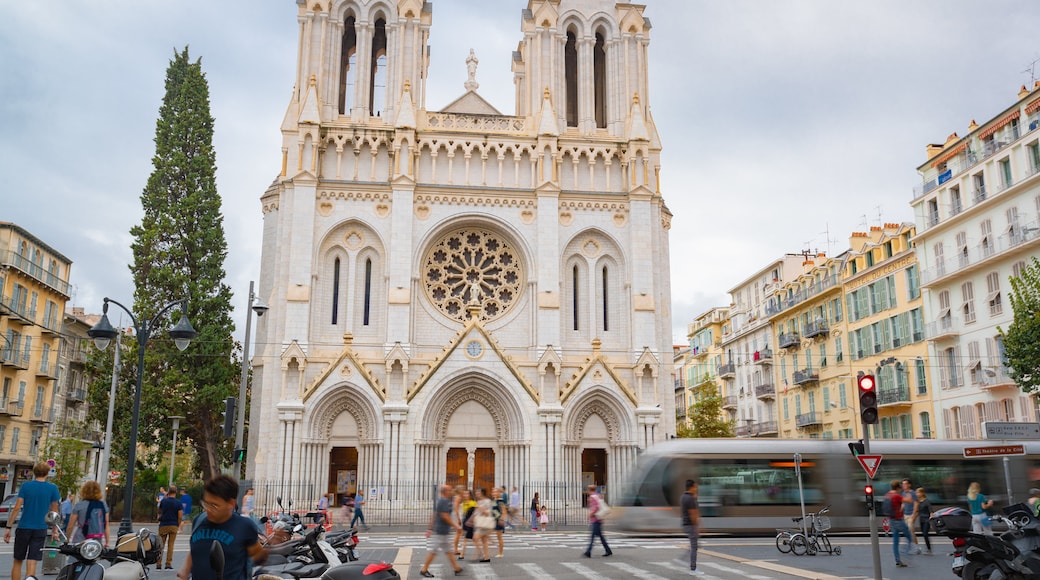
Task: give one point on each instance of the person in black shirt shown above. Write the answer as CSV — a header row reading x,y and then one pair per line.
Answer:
x,y
219,523
691,521
170,510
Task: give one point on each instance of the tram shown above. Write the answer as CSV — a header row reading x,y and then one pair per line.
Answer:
x,y
751,485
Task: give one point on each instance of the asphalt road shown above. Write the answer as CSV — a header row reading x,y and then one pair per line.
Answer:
x,y
557,555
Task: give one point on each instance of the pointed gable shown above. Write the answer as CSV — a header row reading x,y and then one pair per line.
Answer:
x,y
471,103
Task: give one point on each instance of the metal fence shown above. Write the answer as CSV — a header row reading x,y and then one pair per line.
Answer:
x,y
410,504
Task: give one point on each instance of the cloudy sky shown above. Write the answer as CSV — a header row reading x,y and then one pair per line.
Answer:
x,y
786,124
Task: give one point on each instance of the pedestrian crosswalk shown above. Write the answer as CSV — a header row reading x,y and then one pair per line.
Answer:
x,y
643,570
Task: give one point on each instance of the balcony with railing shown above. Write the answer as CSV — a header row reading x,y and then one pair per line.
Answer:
x,y
75,396
970,158
944,328
15,357
18,310
51,324
811,419
789,340
763,357
698,351
36,271
1005,242
765,428
806,376
48,370
41,416
894,397
997,378
765,391
729,402
816,328
727,371
810,291
10,406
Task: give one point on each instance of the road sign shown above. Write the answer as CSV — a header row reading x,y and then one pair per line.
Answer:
x,y
995,451
1008,430
870,464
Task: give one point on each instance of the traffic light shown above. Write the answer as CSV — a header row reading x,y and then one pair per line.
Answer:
x,y
868,492
229,417
240,455
857,448
867,399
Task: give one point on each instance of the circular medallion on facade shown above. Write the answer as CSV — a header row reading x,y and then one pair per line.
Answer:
x,y
472,266
474,349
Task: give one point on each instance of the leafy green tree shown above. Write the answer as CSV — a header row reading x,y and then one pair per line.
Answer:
x,y
706,416
179,250
70,456
1022,338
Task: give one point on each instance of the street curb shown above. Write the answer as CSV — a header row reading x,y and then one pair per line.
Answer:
x,y
771,566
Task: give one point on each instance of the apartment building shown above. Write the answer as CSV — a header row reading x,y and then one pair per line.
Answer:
x,y
33,290
748,332
682,396
885,319
704,355
977,212
812,374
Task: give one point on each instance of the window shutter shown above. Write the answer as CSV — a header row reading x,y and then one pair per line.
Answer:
x,y
947,425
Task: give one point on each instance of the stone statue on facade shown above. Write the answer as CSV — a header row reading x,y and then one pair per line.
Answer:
x,y
471,83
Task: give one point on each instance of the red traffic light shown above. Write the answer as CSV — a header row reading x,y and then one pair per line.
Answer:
x,y
868,489
866,383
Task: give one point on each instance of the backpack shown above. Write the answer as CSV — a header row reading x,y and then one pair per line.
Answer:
x,y
94,521
886,506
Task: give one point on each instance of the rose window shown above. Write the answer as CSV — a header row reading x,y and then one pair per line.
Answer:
x,y
472,266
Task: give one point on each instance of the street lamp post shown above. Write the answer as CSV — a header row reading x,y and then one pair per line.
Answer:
x,y
255,305
102,333
173,451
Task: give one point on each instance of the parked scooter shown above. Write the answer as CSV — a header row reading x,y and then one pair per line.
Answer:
x,y
1013,555
308,559
130,557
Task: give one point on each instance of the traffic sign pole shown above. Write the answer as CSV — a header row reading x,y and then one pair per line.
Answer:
x,y
875,547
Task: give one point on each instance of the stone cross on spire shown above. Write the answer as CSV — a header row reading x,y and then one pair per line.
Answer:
x,y
471,83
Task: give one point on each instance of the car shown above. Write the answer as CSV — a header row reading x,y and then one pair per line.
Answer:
x,y
5,509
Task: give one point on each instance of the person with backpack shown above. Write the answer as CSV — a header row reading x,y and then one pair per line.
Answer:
x,y
595,523
170,514
892,508
89,517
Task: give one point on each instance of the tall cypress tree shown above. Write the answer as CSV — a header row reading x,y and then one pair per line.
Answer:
x,y
179,251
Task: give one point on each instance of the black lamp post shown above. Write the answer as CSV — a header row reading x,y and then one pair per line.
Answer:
x,y
103,333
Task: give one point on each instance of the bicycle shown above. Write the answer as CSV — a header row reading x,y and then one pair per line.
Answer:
x,y
815,539
783,537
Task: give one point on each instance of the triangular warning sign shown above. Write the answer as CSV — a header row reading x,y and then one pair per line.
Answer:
x,y
870,464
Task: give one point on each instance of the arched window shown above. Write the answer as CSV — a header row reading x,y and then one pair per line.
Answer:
x,y
606,286
348,67
599,68
368,290
574,296
570,73
335,292
377,86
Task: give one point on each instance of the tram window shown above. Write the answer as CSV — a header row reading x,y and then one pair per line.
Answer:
x,y
945,482
753,481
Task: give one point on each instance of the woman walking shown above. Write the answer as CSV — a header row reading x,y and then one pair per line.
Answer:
x,y
469,505
482,532
924,511
977,505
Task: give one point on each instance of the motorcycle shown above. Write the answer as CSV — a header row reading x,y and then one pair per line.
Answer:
x,y
1013,555
129,559
307,559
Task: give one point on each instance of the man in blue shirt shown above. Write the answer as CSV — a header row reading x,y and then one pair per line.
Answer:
x,y
186,505
35,499
219,522
66,511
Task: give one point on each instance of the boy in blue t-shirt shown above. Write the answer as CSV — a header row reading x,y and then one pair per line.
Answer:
x,y
35,499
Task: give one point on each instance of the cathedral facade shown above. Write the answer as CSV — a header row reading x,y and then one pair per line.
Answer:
x,y
461,295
